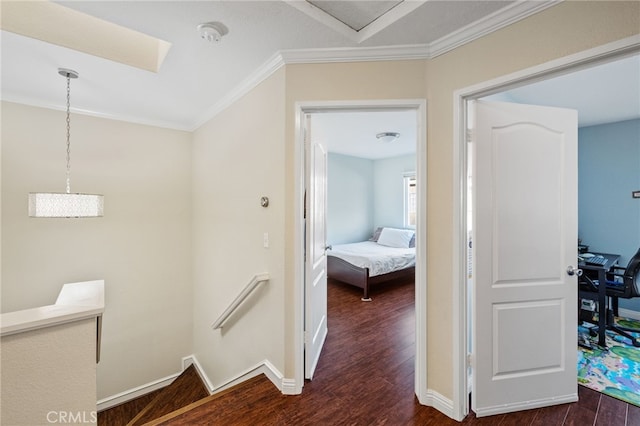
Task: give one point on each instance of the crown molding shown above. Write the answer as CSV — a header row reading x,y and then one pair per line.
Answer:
x,y
165,124
500,19
311,56
488,24
272,65
355,54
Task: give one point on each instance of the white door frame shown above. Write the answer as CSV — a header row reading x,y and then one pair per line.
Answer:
x,y
571,63
420,106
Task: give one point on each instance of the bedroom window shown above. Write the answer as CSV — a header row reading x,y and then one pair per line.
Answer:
x,y
410,200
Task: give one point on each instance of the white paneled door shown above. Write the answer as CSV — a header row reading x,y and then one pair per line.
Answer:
x,y
525,245
315,257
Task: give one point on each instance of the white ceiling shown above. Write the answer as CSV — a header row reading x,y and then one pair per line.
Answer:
x,y
601,94
354,133
198,79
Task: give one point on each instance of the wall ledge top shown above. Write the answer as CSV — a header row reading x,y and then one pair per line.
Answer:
x,y
76,301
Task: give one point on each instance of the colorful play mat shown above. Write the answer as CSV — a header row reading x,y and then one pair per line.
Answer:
x,y
614,371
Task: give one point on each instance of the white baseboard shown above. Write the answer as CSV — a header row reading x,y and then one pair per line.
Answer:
x,y
439,402
128,395
191,359
290,387
628,313
527,405
286,386
265,367
273,374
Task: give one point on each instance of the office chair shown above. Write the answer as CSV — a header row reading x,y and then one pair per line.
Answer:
x,y
630,285
627,288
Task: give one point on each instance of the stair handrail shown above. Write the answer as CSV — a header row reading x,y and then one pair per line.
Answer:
x,y
249,288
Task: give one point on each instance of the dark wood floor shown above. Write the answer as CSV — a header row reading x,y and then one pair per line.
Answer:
x,y
366,377
184,390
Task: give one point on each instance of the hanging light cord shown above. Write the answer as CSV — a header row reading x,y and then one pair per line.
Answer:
x,y
68,134
66,204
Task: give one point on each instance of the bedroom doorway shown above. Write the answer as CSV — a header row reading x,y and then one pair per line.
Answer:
x,y
313,123
499,90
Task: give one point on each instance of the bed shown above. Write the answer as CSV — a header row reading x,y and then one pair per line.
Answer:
x,y
365,263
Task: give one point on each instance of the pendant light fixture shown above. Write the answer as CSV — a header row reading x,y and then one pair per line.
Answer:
x,y
66,204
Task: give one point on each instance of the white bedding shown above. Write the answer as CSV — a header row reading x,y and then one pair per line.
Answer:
x,y
378,258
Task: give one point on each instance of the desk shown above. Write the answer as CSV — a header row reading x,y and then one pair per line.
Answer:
x,y
612,260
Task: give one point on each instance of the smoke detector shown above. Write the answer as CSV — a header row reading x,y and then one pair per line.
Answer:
x,y
212,31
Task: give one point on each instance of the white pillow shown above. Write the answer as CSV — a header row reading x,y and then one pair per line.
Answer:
x,y
392,237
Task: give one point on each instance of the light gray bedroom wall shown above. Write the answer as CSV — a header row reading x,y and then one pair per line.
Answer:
x,y
350,199
608,172
388,178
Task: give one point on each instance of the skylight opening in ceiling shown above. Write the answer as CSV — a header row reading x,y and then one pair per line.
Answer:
x,y
62,26
355,14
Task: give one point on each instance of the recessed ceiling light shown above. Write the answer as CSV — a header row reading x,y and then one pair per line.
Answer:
x,y
388,136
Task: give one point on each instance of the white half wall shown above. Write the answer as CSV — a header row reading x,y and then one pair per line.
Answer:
x,y
49,374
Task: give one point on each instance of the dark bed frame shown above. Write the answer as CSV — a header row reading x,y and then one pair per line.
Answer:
x,y
341,270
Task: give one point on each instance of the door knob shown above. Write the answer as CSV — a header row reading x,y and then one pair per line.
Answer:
x,y
574,271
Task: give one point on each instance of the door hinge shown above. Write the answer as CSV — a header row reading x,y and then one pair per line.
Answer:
x,y
469,360
469,135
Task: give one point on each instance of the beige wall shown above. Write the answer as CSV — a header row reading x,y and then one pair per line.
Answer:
x,y
238,157
562,30
141,247
324,82
170,272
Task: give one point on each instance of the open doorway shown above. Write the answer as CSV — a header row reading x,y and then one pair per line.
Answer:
x,y
415,138
590,62
607,99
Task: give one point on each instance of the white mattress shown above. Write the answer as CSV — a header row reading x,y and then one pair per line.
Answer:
x,y
379,259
